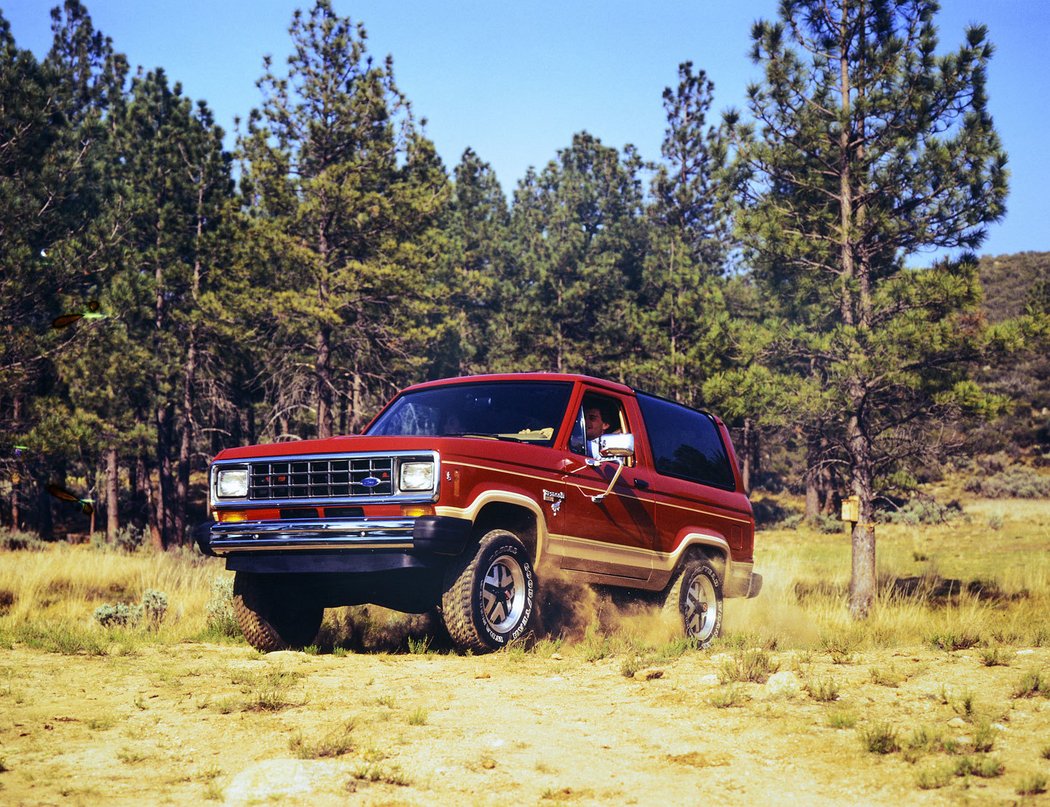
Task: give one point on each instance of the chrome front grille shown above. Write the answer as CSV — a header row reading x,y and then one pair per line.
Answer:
x,y
321,478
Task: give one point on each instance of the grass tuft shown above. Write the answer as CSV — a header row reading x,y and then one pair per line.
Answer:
x,y
334,744
981,767
823,689
953,640
753,666
1034,784
881,738
1032,683
373,772
996,657
842,719
933,778
729,697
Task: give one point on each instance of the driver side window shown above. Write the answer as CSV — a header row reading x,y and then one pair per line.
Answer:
x,y
598,415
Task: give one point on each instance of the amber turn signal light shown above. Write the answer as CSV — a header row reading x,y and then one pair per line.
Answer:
x,y
226,516
417,510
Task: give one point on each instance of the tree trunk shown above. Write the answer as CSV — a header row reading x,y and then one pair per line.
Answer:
x,y
816,477
112,498
323,344
156,512
189,377
141,495
16,479
45,524
323,370
812,494
355,403
862,580
162,511
182,476
746,470
16,513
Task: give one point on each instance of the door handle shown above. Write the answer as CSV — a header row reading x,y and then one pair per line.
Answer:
x,y
641,484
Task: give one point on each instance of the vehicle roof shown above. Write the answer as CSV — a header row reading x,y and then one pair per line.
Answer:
x,y
531,376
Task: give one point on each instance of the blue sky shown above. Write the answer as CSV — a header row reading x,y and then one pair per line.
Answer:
x,y
515,80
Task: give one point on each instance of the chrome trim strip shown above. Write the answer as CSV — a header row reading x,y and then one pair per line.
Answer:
x,y
276,545
365,533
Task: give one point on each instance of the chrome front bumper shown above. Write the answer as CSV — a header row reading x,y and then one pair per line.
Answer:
x,y
358,533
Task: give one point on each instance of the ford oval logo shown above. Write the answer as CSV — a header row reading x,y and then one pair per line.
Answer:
x,y
369,481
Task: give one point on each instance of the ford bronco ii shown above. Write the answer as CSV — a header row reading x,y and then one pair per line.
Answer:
x,y
460,490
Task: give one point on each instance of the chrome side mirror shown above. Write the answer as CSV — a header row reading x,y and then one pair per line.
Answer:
x,y
614,448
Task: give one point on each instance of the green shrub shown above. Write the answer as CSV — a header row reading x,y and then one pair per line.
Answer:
x,y
153,608
128,539
1014,482
120,615
771,515
219,608
17,540
923,510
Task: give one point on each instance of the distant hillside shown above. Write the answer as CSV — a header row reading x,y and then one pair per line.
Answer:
x,y
1011,283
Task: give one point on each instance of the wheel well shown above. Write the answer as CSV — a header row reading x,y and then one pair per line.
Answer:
x,y
712,553
501,515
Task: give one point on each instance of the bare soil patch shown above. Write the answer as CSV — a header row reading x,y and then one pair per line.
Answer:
x,y
193,722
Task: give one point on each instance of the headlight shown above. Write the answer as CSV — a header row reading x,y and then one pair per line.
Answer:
x,y
416,476
232,483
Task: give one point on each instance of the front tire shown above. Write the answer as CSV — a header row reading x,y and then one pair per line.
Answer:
x,y
490,601
274,617
695,598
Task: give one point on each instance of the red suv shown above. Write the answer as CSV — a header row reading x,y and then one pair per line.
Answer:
x,y
460,490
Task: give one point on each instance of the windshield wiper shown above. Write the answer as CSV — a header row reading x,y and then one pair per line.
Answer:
x,y
489,435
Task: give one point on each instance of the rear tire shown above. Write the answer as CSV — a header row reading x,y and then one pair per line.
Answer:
x,y
489,599
695,598
274,617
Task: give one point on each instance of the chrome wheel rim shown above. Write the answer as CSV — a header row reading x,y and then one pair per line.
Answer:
x,y
700,608
503,594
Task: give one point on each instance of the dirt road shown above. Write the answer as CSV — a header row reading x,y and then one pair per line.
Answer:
x,y
195,722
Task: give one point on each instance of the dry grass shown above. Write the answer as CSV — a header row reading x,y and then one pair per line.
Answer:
x,y
973,587
63,585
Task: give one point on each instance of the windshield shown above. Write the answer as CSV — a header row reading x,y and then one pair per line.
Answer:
x,y
528,412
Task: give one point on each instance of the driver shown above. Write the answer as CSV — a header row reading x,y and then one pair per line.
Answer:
x,y
596,423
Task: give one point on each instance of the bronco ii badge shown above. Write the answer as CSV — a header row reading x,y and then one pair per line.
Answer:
x,y
555,498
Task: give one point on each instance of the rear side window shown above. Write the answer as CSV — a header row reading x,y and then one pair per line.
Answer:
x,y
686,443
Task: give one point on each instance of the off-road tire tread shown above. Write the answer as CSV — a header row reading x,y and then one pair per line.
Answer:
x,y
261,633
673,595
456,602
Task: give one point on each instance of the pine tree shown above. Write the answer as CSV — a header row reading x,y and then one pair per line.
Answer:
x,y
54,183
345,194
578,240
869,149
681,318
133,374
479,223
